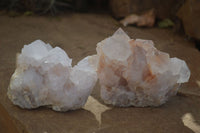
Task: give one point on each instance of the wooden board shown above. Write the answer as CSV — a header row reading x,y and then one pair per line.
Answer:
x,y
78,35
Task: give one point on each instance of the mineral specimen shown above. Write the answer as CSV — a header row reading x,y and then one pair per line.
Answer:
x,y
44,77
135,73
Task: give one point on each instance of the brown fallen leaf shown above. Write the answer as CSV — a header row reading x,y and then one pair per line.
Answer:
x,y
146,19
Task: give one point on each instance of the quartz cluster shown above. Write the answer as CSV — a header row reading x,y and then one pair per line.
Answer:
x,y
134,73
131,73
45,77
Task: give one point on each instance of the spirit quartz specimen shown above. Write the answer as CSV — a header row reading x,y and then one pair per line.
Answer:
x,y
134,73
131,73
44,77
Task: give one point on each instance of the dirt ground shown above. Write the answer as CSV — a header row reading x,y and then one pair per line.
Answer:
x,y
78,35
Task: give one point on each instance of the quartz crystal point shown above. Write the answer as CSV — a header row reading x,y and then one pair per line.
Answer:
x,y
44,77
135,73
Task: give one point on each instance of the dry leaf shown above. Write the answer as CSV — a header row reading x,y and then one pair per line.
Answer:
x,y
146,19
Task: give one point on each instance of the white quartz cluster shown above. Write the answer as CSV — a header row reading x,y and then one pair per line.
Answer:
x,y
45,77
135,73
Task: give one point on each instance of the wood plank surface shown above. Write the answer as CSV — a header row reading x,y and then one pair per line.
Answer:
x,y
78,35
